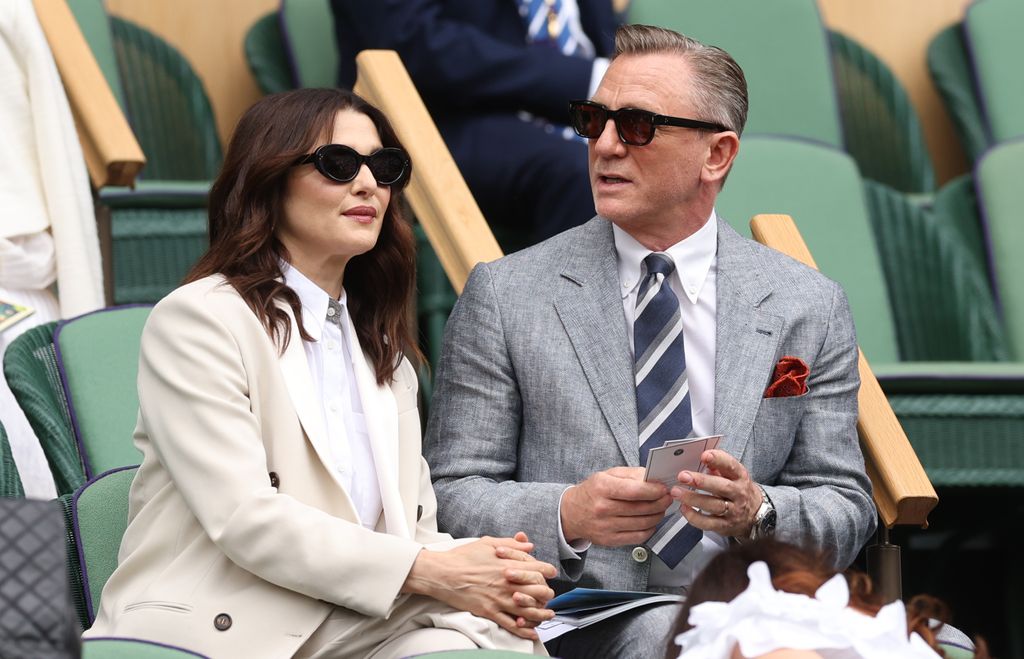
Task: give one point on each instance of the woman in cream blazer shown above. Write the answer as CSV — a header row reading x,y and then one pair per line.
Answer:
x,y
282,507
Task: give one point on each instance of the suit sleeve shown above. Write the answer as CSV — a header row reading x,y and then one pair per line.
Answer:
x,y
194,403
823,494
473,436
457,65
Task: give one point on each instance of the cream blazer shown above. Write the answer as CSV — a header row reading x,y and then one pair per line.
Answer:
x,y
240,538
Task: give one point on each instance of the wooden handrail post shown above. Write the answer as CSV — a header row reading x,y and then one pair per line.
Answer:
x,y
441,200
112,154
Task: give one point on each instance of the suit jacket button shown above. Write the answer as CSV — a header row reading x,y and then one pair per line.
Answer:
x,y
222,622
640,554
274,480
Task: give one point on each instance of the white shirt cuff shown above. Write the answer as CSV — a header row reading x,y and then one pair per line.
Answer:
x,y
569,551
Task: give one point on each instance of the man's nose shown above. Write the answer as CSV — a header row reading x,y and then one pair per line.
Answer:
x,y
608,142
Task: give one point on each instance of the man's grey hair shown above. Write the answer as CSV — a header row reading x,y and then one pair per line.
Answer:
x,y
719,91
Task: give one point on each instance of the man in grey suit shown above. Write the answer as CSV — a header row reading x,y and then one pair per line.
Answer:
x,y
564,363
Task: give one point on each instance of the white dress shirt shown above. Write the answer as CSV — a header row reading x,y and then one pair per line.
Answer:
x,y
693,282
329,356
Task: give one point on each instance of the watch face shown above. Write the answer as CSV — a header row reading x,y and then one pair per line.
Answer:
x,y
768,523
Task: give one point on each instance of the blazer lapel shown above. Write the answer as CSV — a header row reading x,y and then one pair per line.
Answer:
x,y
381,414
747,339
590,309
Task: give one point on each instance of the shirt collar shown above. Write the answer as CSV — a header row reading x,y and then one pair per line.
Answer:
x,y
314,299
693,257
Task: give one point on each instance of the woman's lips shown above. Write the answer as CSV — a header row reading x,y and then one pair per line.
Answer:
x,y
364,214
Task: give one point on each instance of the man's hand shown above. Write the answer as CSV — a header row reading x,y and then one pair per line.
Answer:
x,y
730,500
494,578
613,508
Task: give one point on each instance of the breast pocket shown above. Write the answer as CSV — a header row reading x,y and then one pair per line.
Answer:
x,y
775,428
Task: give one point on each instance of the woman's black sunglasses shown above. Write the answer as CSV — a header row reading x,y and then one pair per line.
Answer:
x,y
341,163
635,127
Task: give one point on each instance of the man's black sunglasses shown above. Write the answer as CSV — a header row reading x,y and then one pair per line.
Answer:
x,y
634,126
341,163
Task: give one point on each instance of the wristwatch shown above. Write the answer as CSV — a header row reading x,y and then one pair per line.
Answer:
x,y
764,521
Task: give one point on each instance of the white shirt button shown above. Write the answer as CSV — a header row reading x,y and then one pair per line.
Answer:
x,y
640,554
332,346
333,406
330,311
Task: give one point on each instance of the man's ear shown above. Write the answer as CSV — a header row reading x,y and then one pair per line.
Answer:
x,y
722,150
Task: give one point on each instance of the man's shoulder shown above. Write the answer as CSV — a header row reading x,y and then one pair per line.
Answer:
x,y
546,260
781,271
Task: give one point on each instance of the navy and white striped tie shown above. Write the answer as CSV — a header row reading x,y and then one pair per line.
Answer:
x,y
662,391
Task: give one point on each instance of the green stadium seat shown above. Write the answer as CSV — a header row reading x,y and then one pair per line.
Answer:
x,y
1001,198
266,56
916,295
951,73
308,30
781,45
154,241
880,125
75,382
30,366
993,29
10,481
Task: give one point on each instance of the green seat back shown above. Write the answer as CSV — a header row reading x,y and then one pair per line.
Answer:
x,y
783,49
822,191
993,29
98,355
1001,196
308,28
99,514
166,105
266,56
94,22
30,366
880,125
951,73
10,481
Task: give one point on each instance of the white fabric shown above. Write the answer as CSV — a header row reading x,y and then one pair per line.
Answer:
x,y
693,282
330,357
43,181
762,619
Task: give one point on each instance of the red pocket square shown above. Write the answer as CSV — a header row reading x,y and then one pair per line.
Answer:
x,y
789,379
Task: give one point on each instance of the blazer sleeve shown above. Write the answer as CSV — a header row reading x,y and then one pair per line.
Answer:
x,y
822,493
194,380
473,435
456,64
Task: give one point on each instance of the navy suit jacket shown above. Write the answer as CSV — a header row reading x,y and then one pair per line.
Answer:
x,y
471,56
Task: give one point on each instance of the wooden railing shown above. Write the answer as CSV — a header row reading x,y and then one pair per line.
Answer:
x,y
437,193
903,493
112,154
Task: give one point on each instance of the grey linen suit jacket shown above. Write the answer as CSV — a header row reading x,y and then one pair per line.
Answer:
x,y
535,392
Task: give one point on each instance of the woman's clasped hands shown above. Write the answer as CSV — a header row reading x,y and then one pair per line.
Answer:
x,y
494,578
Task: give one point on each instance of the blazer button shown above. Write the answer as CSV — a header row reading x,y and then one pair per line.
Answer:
x,y
222,622
640,554
274,480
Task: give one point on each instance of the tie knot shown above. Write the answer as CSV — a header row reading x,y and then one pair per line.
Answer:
x,y
659,263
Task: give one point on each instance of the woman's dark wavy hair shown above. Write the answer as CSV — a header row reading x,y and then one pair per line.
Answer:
x,y
246,203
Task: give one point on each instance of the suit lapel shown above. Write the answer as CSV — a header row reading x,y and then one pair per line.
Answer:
x,y
747,339
590,309
381,414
